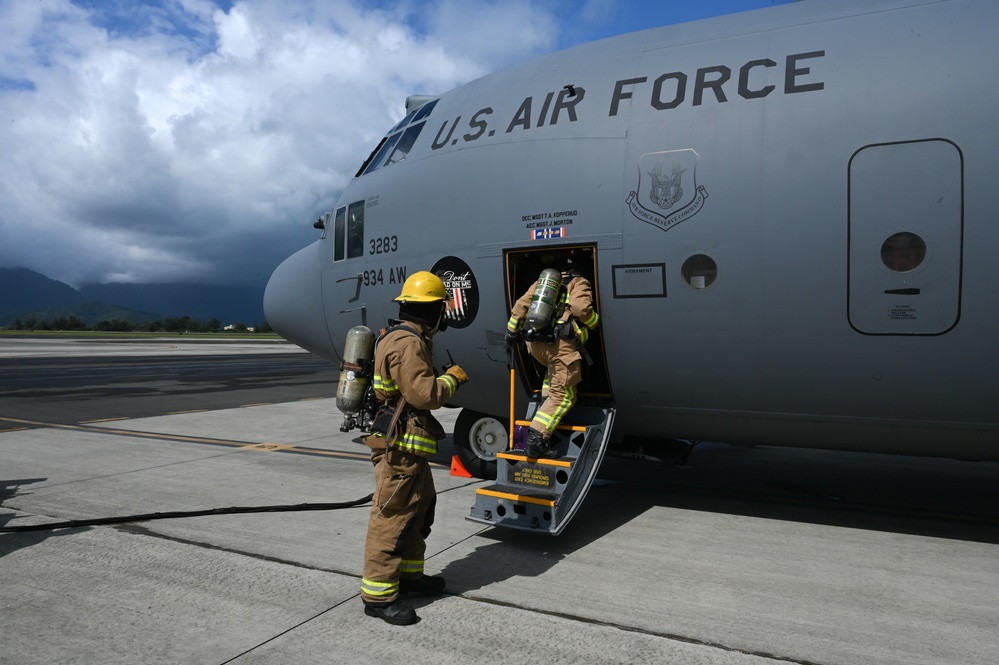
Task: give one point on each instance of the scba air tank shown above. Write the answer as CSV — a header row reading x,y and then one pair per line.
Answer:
x,y
544,301
358,352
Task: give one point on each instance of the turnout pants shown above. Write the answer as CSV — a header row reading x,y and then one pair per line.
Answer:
x,y
402,512
561,377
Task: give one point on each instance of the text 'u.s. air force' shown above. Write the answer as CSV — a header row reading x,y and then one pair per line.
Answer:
x,y
668,91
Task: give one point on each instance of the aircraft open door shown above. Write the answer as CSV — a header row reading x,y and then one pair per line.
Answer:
x,y
522,270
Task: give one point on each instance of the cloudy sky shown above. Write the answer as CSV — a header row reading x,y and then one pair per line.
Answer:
x,y
197,140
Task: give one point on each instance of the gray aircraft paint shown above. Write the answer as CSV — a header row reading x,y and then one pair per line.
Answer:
x,y
787,144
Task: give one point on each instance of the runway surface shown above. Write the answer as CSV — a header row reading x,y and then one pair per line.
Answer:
x,y
70,381
743,556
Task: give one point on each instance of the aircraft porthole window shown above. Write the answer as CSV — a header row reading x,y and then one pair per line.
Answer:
x,y
699,271
903,252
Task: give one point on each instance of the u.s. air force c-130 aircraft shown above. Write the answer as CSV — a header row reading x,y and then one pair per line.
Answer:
x,y
790,217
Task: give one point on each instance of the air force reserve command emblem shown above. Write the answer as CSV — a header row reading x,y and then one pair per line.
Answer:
x,y
667,191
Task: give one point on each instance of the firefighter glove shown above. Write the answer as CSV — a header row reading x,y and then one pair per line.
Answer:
x,y
511,339
458,373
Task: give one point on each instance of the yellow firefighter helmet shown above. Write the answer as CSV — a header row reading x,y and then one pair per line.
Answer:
x,y
422,286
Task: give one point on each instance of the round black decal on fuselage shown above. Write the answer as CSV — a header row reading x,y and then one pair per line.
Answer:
x,y
462,291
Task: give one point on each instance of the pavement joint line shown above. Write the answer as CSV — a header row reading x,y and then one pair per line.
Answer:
x,y
290,448
141,529
628,629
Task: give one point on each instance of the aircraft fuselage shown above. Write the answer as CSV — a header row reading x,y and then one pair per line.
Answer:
x,y
792,214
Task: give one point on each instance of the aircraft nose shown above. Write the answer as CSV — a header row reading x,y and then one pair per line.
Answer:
x,y
293,302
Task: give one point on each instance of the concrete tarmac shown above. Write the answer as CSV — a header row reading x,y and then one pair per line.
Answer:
x,y
745,556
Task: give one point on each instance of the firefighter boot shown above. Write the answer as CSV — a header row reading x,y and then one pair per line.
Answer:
x,y
395,613
428,585
538,446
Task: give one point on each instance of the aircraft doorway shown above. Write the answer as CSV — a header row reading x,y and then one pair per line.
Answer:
x,y
522,270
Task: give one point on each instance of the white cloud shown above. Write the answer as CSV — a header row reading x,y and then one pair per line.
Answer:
x,y
193,143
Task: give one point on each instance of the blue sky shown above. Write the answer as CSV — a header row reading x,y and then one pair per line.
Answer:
x,y
195,140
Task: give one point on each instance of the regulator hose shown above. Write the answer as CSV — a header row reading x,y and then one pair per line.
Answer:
x,y
189,513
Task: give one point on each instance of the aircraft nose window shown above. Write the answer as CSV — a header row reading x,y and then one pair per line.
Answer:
x,y
903,252
699,271
394,147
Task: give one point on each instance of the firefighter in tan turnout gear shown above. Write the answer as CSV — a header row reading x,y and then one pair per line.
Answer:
x,y
404,435
555,343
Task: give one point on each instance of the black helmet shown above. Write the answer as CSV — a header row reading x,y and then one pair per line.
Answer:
x,y
570,263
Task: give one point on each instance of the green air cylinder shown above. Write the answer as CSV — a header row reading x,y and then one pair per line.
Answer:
x,y
359,346
544,301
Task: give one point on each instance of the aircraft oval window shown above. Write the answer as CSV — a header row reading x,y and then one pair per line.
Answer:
x,y
903,252
699,271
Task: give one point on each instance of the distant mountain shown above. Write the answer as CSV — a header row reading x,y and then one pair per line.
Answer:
x,y
89,312
229,304
22,289
25,293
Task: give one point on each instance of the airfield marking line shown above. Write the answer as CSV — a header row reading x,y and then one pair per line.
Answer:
x,y
267,447
180,413
270,447
15,429
102,420
243,406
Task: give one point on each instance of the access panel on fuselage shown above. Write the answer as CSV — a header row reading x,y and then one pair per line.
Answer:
x,y
905,238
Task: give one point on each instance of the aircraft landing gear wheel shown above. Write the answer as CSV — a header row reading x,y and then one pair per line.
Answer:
x,y
477,439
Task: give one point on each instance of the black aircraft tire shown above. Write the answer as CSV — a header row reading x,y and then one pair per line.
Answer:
x,y
477,439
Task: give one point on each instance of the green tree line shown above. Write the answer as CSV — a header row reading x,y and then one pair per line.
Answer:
x,y
170,324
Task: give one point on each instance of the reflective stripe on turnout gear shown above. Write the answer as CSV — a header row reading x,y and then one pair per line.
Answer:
x,y
414,443
379,589
545,422
411,567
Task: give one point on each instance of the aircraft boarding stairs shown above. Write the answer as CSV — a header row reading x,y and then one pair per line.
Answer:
x,y
542,495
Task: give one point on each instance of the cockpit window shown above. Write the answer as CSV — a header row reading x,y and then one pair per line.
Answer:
x,y
348,231
339,230
424,111
402,123
400,140
355,230
405,144
387,145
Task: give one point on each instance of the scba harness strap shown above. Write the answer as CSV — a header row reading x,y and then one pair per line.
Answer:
x,y
386,420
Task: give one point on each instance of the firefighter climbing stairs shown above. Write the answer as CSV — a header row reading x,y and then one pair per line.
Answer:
x,y
542,495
